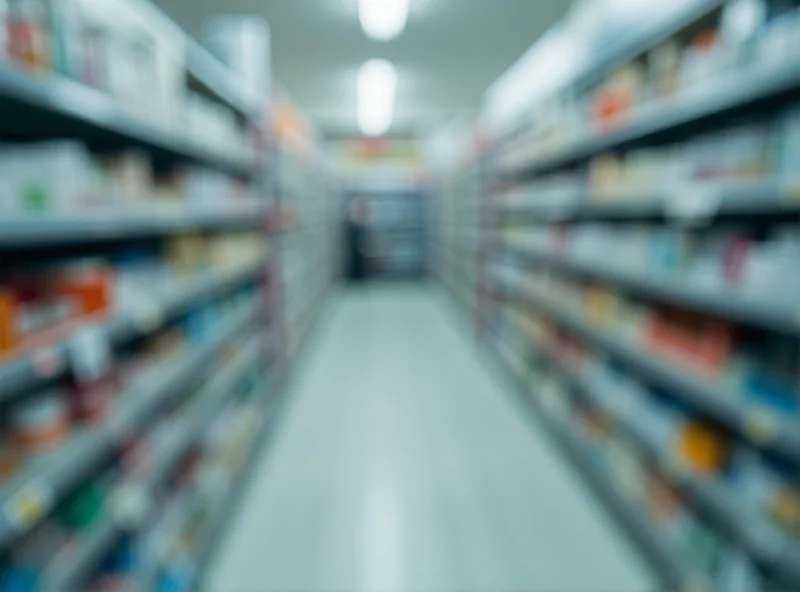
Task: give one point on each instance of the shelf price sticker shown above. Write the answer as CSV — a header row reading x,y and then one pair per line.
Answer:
x,y
29,505
760,426
90,353
791,191
47,362
149,316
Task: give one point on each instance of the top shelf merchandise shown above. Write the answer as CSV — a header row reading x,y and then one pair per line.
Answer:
x,y
733,56
118,73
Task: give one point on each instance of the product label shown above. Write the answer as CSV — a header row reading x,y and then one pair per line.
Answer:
x,y
760,426
149,316
791,191
29,505
47,362
90,353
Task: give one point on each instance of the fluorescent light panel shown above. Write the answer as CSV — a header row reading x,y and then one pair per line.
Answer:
x,y
383,20
376,92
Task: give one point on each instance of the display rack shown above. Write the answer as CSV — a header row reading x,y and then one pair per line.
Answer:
x,y
72,107
173,359
567,262
456,237
306,240
670,565
105,226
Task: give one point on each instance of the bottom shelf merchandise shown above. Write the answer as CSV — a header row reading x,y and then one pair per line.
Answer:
x,y
725,512
103,534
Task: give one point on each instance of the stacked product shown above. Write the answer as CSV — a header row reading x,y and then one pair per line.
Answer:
x,y
39,307
133,358
130,52
79,182
640,275
306,242
457,216
733,41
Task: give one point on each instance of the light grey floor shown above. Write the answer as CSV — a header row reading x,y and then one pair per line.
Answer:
x,y
402,466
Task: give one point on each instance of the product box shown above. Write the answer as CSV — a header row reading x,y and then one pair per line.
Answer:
x,y
70,183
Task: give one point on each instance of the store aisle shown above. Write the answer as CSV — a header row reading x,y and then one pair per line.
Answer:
x,y
401,465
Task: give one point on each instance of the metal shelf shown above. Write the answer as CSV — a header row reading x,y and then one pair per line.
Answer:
x,y
763,429
202,65
19,232
727,92
204,68
27,499
671,568
36,369
738,522
780,317
66,102
694,203
211,536
146,578
69,569
175,516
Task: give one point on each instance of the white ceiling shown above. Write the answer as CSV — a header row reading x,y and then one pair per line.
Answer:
x,y
449,54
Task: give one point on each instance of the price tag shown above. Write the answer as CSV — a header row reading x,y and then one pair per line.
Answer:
x,y
28,506
47,362
693,204
149,316
760,426
90,354
791,191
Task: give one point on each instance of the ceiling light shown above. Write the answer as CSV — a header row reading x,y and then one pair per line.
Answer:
x,y
383,19
376,91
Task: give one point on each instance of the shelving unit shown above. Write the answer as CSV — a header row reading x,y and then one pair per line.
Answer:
x,y
135,294
77,562
756,311
720,95
29,371
457,229
667,561
50,231
307,242
70,106
611,238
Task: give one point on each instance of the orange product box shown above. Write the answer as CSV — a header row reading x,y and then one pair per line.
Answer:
x,y
600,305
703,447
704,345
31,307
9,335
90,285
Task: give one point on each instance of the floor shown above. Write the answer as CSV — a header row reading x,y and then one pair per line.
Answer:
x,y
403,466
